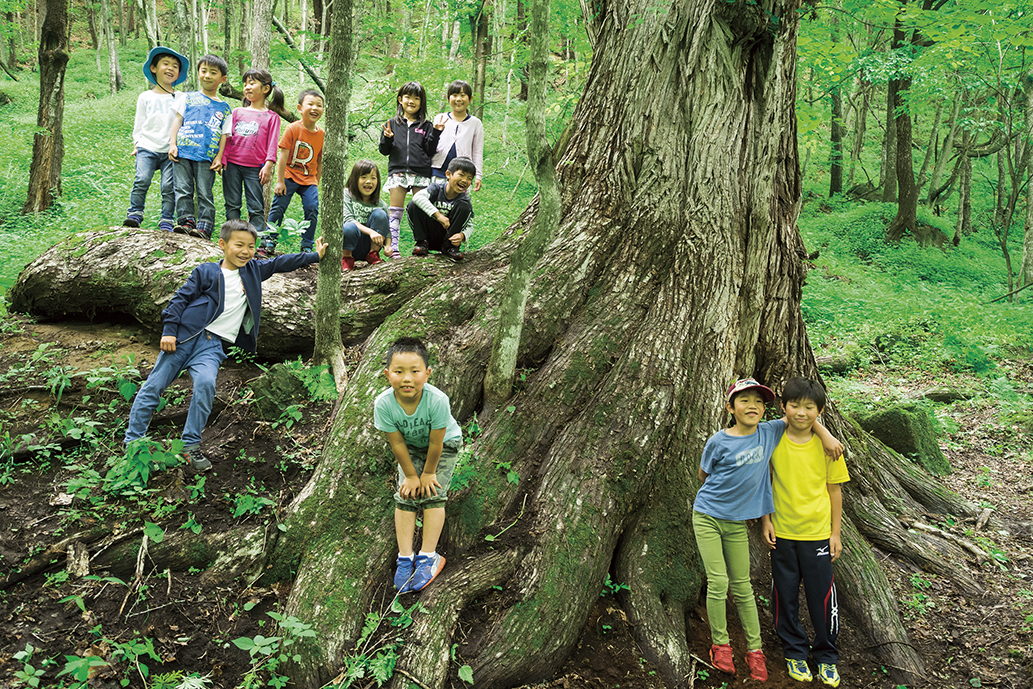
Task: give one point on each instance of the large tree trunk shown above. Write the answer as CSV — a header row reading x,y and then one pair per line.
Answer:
x,y
629,348
48,146
907,190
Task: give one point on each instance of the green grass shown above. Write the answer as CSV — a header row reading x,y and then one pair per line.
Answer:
x,y
97,172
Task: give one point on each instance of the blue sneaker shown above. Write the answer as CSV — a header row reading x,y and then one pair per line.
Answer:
x,y
403,575
798,670
427,567
828,674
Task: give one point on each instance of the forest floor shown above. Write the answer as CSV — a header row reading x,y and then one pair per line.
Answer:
x,y
184,621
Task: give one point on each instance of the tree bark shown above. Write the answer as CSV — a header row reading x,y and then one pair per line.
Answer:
x,y
482,49
1027,238
907,190
115,82
931,149
837,133
889,149
149,12
328,345
48,148
945,152
261,33
964,224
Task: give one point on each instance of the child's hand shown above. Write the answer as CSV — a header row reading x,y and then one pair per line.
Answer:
x,y
834,449
280,189
768,532
387,130
320,246
216,165
173,152
265,174
410,487
835,547
457,238
442,219
376,240
427,484
439,121
477,185
167,344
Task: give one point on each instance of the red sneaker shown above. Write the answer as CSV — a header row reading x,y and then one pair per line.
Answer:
x,y
347,263
721,657
374,258
758,666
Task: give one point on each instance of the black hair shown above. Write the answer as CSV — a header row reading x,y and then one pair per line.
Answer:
x,y
412,88
274,101
801,389
310,92
360,168
463,164
214,61
460,86
231,226
407,345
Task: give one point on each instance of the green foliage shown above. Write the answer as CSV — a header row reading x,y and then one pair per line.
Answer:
x,y
269,654
378,646
129,473
251,501
612,588
30,675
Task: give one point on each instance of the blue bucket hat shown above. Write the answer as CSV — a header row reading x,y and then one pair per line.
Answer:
x,y
184,64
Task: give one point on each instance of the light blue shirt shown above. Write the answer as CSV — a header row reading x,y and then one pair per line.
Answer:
x,y
431,413
738,484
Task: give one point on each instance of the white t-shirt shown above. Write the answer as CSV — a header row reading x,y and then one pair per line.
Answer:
x,y
227,325
152,127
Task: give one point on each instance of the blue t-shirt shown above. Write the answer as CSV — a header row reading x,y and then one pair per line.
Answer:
x,y
432,412
738,484
205,120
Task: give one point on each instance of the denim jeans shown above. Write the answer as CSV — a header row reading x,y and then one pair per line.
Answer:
x,y
357,241
235,177
146,163
201,356
195,176
309,203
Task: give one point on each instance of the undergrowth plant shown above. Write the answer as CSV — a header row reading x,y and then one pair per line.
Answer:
x,y
269,654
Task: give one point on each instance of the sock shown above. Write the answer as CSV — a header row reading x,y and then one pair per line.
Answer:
x,y
430,554
394,221
407,557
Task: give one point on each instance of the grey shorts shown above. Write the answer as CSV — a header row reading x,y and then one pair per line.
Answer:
x,y
409,181
446,465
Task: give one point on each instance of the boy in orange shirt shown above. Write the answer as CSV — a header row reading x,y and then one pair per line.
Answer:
x,y
298,168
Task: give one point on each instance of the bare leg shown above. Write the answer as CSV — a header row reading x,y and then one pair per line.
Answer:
x,y
405,525
433,523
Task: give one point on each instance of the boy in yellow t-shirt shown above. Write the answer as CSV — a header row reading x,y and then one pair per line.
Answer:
x,y
803,534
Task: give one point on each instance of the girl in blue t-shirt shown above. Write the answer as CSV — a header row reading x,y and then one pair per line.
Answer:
x,y
737,487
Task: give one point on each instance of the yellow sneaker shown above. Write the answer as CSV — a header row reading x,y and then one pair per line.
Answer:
x,y
828,674
798,670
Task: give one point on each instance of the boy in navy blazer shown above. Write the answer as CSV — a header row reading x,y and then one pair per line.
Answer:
x,y
221,303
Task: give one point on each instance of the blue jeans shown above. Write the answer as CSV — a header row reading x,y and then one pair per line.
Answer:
x,y
146,163
234,177
309,203
201,356
357,241
191,176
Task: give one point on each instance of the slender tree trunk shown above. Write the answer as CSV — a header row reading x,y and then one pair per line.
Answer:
x,y
1001,189
261,40
121,23
931,149
498,380
48,148
453,51
836,173
395,19
114,69
1027,236
227,31
946,150
12,50
243,40
964,225
521,47
907,190
482,49
889,148
864,95
328,347
149,14
91,22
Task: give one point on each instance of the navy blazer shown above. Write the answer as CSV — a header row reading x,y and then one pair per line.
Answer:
x,y
201,300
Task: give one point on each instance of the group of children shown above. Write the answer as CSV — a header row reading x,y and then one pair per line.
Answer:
x,y
787,473
190,138
775,471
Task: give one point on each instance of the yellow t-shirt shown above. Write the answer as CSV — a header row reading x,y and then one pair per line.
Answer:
x,y
799,474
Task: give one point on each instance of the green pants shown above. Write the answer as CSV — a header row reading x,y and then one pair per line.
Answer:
x,y
725,549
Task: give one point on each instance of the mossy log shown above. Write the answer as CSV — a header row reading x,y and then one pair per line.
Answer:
x,y
132,272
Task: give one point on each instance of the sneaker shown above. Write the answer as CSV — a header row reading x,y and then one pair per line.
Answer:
x,y
396,254
452,253
347,263
197,461
131,222
427,568
421,249
403,575
266,248
828,674
373,258
798,670
307,250
721,658
758,665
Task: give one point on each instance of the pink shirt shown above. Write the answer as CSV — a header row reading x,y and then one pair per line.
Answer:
x,y
254,138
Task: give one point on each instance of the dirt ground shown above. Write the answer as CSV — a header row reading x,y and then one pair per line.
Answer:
x,y
191,622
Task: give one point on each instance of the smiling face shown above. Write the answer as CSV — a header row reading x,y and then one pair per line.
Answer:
x,y
311,109
368,184
410,105
407,375
210,78
165,71
458,182
748,410
801,414
460,103
255,91
237,250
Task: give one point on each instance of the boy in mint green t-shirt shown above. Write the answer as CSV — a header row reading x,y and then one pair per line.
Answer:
x,y
416,420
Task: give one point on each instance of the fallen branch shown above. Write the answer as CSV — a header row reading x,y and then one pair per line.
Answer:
x,y
979,553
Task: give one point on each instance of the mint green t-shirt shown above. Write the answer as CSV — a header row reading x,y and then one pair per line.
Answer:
x,y
433,411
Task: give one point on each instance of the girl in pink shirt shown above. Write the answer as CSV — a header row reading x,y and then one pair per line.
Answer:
x,y
250,154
